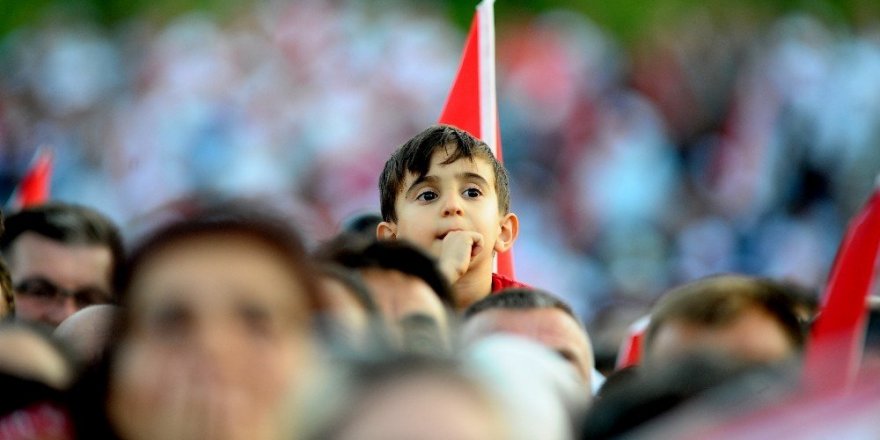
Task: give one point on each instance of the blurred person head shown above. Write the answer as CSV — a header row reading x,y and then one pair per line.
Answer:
x,y
540,394
750,319
718,383
30,352
62,258
411,294
87,333
363,225
7,299
445,192
35,373
413,397
215,334
535,315
872,332
806,300
348,310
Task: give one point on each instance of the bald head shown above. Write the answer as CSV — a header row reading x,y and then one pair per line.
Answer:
x,y
535,315
87,331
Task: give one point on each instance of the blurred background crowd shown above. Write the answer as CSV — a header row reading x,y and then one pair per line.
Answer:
x,y
647,145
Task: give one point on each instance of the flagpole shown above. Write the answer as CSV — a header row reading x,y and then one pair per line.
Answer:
x,y
488,95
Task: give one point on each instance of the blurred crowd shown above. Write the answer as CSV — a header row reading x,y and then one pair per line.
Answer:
x,y
725,141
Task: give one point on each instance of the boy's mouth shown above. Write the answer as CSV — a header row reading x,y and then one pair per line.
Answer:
x,y
444,234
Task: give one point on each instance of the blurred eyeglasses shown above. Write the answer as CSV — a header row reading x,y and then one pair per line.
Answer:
x,y
41,289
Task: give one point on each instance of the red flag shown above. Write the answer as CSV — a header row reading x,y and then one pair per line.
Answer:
x,y
630,352
472,104
835,347
35,185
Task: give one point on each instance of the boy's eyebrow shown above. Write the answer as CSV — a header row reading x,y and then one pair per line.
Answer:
x,y
472,176
420,180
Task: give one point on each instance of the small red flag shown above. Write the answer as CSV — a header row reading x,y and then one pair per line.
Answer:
x,y
630,352
34,188
834,351
472,103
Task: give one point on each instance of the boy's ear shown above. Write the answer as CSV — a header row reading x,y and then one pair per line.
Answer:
x,y
386,231
509,231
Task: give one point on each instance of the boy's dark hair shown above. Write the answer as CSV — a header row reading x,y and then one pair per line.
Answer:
x,y
67,224
415,157
357,252
519,298
718,300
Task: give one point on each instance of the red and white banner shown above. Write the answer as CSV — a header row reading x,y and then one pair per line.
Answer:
x,y
472,103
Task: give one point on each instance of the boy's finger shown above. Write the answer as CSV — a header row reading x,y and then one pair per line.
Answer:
x,y
475,250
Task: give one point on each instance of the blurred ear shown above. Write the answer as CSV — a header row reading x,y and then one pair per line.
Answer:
x,y
386,231
509,231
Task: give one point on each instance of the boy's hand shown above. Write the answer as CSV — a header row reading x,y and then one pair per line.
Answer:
x,y
456,251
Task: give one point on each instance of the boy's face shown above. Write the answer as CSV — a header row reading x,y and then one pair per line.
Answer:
x,y
459,196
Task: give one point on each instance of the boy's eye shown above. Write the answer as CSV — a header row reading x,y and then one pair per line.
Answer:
x,y
472,192
427,196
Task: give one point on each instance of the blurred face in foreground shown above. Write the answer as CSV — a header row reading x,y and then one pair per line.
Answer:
x,y
424,407
218,341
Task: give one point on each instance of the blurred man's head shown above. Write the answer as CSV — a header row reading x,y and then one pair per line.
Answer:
x,y
414,398
35,374
29,352
216,318
7,300
749,319
87,332
410,293
348,311
62,258
535,315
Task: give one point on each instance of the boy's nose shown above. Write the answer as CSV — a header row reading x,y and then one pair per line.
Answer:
x,y
452,206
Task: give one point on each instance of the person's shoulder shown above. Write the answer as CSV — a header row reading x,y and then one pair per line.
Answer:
x,y
501,282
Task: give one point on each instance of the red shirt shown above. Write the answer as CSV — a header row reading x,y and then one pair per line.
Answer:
x,y
501,282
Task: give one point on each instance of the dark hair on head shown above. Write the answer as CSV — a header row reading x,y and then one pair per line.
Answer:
x,y
241,219
872,330
717,301
365,224
352,281
716,384
519,298
6,287
65,223
356,252
415,157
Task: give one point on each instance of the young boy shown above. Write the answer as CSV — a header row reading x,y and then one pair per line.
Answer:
x,y
444,191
